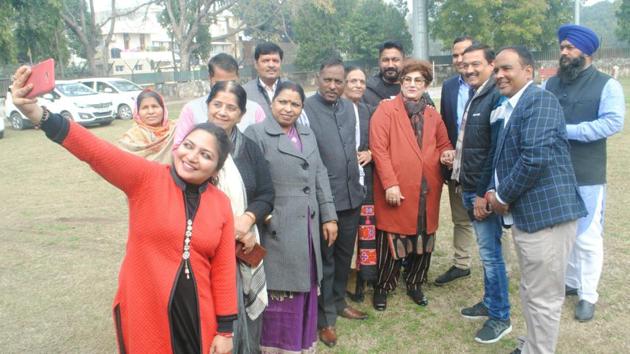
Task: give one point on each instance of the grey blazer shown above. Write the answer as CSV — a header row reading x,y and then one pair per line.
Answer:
x,y
301,184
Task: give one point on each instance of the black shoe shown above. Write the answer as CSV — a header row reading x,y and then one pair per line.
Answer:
x,y
516,351
418,297
493,330
379,300
569,291
584,311
359,288
452,274
477,311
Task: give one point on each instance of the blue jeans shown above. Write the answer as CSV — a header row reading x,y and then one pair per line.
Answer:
x,y
495,282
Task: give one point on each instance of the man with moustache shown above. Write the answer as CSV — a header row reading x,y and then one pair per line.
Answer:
x,y
333,122
472,169
385,84
267,61
455,94
594,109
534,189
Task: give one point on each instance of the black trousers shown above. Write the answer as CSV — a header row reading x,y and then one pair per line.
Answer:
x,y
336,267
417,266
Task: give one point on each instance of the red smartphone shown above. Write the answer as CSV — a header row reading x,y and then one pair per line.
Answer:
x,y
42,77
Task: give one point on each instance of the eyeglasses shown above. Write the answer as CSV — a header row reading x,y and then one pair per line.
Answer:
x,y
415,80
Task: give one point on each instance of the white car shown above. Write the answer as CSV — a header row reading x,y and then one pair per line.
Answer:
x,y
2,116
73,101
123,93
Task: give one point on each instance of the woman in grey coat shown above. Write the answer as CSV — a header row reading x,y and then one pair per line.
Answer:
x,y
303,200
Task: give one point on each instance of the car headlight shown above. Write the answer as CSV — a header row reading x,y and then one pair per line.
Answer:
x,y
80,105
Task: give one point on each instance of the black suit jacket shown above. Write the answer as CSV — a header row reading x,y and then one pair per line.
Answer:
x,y
448,110
448,106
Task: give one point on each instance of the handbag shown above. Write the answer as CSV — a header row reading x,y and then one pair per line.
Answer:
x,y
254,257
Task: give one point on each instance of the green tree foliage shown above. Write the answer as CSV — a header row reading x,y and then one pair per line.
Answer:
x,y
532,23
351,28
31,31
265,20
8,48
318,32
371,23
600,17
623,21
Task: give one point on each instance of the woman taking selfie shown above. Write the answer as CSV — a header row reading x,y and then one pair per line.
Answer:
x,y
177,283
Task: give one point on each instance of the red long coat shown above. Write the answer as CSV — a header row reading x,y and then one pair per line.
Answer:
x,y
157,223
399,161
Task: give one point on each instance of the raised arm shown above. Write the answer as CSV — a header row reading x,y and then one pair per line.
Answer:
x,y
122,169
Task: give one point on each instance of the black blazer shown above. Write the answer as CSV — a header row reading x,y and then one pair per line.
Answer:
x,y
448,111
448,106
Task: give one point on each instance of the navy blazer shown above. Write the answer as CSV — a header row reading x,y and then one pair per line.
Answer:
x,y
448,106
533,164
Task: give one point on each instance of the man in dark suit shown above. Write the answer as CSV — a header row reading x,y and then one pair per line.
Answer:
x,y
535,189
455,94
332,119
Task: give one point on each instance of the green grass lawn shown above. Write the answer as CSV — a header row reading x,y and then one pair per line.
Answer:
x,y
63,231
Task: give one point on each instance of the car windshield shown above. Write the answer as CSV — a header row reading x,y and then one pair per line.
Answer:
x,y
125,85
74,90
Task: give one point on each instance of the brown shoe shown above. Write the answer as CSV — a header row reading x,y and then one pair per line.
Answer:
x,y
328,336
353,314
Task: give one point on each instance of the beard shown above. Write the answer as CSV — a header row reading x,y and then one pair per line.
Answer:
x,y
390,74
569,69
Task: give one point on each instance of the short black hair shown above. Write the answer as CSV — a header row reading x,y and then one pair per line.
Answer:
x,y
290,85
488,53
464,38
231,87
224,62
267,48
350,68
389,44
224,143
331,61
526,57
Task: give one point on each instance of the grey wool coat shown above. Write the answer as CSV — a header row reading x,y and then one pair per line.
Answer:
x,y
300,181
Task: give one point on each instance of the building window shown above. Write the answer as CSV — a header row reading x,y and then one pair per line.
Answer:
x,y
126,39
120,68
137,67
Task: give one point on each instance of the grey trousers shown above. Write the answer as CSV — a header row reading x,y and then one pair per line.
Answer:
x,y
543,257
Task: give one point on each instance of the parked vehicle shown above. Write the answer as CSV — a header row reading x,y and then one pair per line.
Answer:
x,y
73,101
123,93
2,116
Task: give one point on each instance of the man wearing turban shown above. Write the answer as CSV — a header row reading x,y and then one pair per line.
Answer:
x,y
594,109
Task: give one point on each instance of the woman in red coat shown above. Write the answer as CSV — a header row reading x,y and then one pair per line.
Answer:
x,y
407,140
177,283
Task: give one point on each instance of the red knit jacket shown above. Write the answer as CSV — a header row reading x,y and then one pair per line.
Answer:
x,y
157,223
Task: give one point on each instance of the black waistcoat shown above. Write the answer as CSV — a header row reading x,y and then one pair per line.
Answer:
x,y
580,101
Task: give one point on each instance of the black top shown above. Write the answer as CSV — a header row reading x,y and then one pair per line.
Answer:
x,y
580,102
254,171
